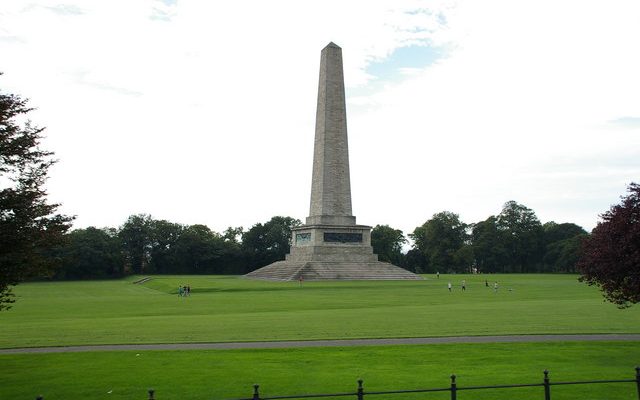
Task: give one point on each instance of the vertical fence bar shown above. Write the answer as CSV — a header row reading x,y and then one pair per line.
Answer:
x,y
547,386
360,390
454,388
256,395
638,380
151,393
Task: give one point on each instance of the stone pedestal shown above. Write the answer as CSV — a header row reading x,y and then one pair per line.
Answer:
x,y
332,243
331,252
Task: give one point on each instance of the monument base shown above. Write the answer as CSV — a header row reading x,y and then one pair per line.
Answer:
x,y
324,271
331,252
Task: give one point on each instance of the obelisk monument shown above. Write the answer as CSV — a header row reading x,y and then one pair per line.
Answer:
x,y
331,185
330,245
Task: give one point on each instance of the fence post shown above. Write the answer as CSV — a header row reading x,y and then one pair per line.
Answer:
x,y
454,388
360,390
547,386
638,380
151,393
256,395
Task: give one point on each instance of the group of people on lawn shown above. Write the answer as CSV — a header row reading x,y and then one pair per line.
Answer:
x,y
464,285
184,291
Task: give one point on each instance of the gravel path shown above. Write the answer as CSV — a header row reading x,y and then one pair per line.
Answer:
x,y
327,343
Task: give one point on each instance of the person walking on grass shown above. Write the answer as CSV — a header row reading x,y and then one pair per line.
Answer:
x,y
495,287
449,286
464,285
180,291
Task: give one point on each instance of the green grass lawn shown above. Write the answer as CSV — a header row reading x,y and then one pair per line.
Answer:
x,y
224,374
224,309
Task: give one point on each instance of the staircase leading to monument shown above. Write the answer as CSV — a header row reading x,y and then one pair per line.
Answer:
x,y
322,271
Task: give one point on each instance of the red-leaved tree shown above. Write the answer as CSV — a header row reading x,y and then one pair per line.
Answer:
x,y
611,254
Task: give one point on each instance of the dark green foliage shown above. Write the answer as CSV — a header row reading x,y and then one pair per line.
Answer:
x,y
233,235
513,241
268,242
441,239
562,246
164,237
488,246
135,236
29,226
144,245
198,250
563,255
416,261
387,244
557,232
91,253
190,249
611,255
522,238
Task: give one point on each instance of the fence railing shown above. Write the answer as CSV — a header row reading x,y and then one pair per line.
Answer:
x,y
453,388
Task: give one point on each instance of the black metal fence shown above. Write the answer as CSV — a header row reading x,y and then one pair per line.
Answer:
x,y
453,389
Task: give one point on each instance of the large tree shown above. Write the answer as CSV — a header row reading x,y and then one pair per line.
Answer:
x,y
563,255
91,253
554,232
488,245
387,244
136,237
29,226
442,240
611,255
164,236
416,261
562,246
522,235
199,250
268,242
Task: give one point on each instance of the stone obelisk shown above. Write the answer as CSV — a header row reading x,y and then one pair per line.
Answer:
x,y
331,185
330,245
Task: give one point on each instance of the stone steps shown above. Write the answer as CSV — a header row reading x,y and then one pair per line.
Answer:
x,y
278,271
355,271
323,270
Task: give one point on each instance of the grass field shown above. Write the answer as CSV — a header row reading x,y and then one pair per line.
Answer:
x,y
224,374
232,309
224,309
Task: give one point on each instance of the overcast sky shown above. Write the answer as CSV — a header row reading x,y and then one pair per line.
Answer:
x,y
204,111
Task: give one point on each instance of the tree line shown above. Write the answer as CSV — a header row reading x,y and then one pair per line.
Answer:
x,y
512,241
144,245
